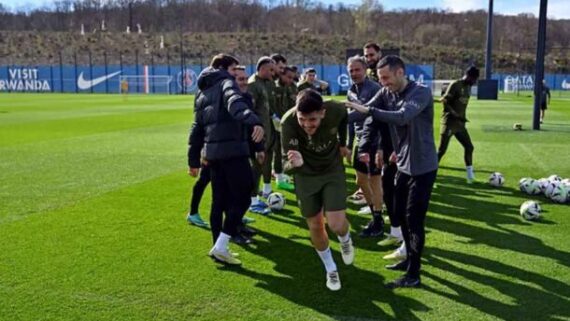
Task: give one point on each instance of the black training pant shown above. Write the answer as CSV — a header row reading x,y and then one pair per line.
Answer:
x,y
199,188
412,195
388,174
231,187
463,138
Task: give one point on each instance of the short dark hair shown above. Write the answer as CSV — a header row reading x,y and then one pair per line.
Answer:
x,y
294,68
472,72
223,61
279,58
308,101
263,61
372,45
392,61
312,70
288,68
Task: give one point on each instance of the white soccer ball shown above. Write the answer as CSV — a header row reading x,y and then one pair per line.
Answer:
x,y
542,184
550,187
276,201
554,178
523,181
530,210
496,179
560,194
529,186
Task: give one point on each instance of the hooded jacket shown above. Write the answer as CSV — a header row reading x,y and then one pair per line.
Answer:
x,y
221,119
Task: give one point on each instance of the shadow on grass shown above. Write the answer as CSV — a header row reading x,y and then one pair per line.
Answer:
x,y
473,203
532,296
302,281
539,298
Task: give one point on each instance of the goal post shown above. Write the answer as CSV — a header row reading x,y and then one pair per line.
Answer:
x,y
145,84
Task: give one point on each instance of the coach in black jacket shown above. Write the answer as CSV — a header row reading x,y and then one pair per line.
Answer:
x,y
219,136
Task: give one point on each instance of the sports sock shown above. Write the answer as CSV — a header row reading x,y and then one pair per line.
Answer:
x,y
470,173
326,257
266,188
222,242
344,238
254,200
396,231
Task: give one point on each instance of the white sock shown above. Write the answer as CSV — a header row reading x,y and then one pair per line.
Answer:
x,y
345,238
254,200
396,231
222,242
402,248
470,173
266,188
326,257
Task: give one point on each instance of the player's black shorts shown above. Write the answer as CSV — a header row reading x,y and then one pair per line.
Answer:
x,y
543,106
362,167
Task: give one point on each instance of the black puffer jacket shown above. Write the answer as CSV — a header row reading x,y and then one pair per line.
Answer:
x,y
221,119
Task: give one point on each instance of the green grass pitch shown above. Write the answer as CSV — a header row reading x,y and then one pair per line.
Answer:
x,y
94,193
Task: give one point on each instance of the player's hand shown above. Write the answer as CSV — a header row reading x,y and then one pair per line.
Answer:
x,y
295,158
346,153
193,171
260,157
257,134
393,158
359,108
379,159
364,158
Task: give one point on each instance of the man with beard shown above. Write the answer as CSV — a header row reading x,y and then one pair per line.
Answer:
x,y
283,79
408,109
261,92
372,55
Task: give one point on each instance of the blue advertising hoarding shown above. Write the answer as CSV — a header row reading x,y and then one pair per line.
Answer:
x,y
163,78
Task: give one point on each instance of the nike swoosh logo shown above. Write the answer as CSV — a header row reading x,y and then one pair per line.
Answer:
x,y
86,84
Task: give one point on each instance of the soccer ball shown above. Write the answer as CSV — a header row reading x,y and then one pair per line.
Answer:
x,y
276,201
560,194
496,179
550,187
530,210
529,186
523,181
554,178
542,183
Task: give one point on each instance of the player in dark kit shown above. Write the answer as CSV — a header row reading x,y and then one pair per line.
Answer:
x,y
454,118
544,100
314,142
